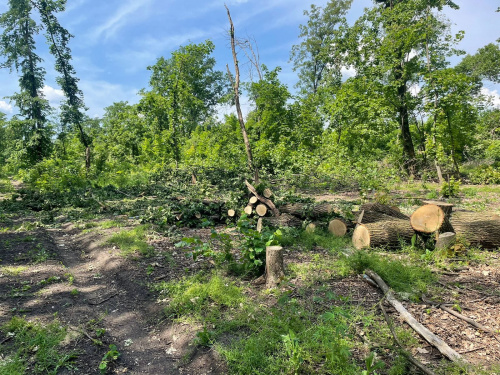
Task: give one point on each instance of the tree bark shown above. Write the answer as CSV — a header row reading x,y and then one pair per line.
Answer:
x,y
384,209
314,210
284,220
478,228
275,270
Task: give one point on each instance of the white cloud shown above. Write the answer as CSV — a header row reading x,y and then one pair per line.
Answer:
x,y
492,95
120,18
347,72
5,107
54,96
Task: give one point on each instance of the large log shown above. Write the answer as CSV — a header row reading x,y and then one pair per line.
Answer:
x,y
284,220
309,210
388,233
337,227
430,219
478,228
384,209
373,217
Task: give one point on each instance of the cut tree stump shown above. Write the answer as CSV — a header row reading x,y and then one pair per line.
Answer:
x,y
445,240
384,209
275,270
430,218
248,210
337,227
284,220
252,200
261,209
388,233
446,207
478,228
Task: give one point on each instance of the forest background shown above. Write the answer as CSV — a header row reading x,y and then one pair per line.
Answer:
x,y
405,111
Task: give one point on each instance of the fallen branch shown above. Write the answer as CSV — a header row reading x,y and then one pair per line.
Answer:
x,y
468,320
104,300
411,358
430,337
264,200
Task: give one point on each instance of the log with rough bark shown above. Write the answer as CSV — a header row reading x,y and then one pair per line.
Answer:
x,y
388,233
309,210
261,210
337,227
430,219
248,210
445,240
384,209
264,200
275,270
373,217
284,220
430,337
252,200
478,228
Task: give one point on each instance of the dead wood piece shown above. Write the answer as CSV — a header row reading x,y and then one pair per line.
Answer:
x,y
248,210
284,220
445,240
259,225
430,337
388,233
312,210
373,217
267,193
384,209
103,300
478,228
468,320
264,200
337,227
275,270
231,213
253,200
411,358
261,210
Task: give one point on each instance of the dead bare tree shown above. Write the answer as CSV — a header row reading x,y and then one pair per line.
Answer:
x,y
236,89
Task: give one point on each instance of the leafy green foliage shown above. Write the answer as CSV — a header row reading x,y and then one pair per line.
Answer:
x,y
109,358
132,241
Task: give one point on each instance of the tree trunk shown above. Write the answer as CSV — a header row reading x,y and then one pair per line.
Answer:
x,y
478,228
284,220
275,270
382,233
236,87
309,210
384,209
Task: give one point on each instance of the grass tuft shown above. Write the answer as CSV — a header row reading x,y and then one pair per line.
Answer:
x,y
133,241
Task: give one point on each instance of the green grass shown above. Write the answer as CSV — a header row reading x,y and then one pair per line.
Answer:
x,y
34,348
133,241
309,241
13,270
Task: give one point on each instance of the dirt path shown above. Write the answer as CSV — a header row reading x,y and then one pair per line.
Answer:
x,y
107,292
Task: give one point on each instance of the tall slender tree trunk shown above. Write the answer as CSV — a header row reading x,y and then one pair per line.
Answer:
x,y
236,86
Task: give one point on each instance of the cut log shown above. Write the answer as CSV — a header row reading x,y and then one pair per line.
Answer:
x,y
231,213
284,220
309,210
388,233
248,210
395,208
275,270
264,200
261,210
253,200
428,219
445,240
267,193
478,228
418,327
337,227
259,225
384,209
311,228
373,217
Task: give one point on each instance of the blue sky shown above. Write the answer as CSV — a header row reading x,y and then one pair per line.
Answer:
x,y
115,40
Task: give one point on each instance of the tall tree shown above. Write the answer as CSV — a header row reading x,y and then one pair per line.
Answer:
x,y
311,57
17,45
